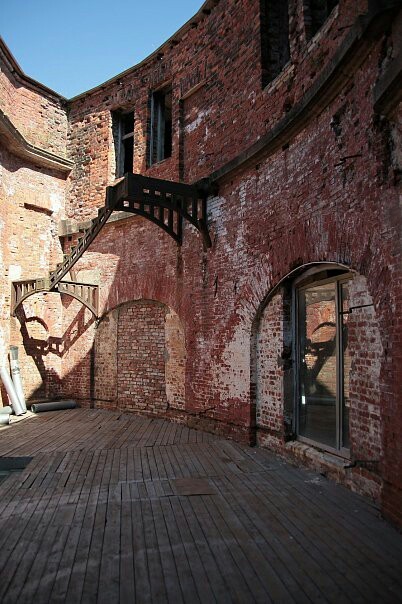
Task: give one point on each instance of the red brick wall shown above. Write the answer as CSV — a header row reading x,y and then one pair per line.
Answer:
x,y
269,373
366,358
214,123
31,204
139,359
326,193
79,331
175,362
105,370
38,115
302,204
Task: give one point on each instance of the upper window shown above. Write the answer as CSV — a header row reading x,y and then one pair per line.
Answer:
x,y
123,129
323,363
316,12
275,51
160,140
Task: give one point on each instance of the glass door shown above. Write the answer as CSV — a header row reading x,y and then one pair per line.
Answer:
x,y
323,364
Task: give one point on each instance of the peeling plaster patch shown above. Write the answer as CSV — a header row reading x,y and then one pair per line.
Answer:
x,y
216,214
45,251
1,239
3,307
13,244
14,272
201,115
232,377
56,201
3,352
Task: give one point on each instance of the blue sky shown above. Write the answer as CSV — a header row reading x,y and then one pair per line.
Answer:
x,y
73,46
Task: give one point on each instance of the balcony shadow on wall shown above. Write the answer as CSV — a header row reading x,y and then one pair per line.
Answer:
x,y
127,279
134,293
39,348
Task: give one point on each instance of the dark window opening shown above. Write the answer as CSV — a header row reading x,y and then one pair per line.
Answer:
x,y
275,50
160,140
316,12
123,133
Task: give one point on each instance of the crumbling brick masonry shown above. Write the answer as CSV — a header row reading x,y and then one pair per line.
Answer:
x,y
287,331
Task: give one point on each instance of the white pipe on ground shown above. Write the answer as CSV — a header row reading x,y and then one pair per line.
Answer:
x,y
16,376
4,419
9,386
6,409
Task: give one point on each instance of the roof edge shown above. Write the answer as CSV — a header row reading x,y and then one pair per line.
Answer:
x,y
206,6
18,144
16,68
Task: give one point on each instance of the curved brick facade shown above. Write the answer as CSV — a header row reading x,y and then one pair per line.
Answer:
x,y
303,173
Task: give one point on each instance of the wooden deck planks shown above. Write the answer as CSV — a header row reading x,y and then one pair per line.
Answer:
x,y
95,518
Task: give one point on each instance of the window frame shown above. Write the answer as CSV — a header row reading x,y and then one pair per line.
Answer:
x,y
310,31
301,284
157,126
268,74
120,139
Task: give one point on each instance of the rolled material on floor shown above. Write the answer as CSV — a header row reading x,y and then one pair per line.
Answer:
x,y
16,376
6,409
9,386
53,406
4,419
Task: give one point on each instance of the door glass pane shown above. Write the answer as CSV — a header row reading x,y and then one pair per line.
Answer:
x,y
346,365
317,338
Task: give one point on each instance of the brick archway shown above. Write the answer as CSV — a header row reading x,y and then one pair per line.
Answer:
x,y
276,391
140,359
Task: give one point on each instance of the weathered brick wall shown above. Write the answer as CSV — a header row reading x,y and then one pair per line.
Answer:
x,y
31,205
78,335
391,363
138,360
140,357
327,196
214,123
367,355
105,369
175,362
325,192
269,373
38,115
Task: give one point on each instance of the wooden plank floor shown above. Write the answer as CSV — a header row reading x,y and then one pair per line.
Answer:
x,y
118,508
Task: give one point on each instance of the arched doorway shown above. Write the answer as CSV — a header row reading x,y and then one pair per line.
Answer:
x,y
322,358
316,357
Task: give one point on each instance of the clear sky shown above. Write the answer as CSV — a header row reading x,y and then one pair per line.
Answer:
x,y
75,45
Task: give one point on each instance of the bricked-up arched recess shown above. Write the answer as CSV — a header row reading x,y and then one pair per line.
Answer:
x,y
140,359
276,372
